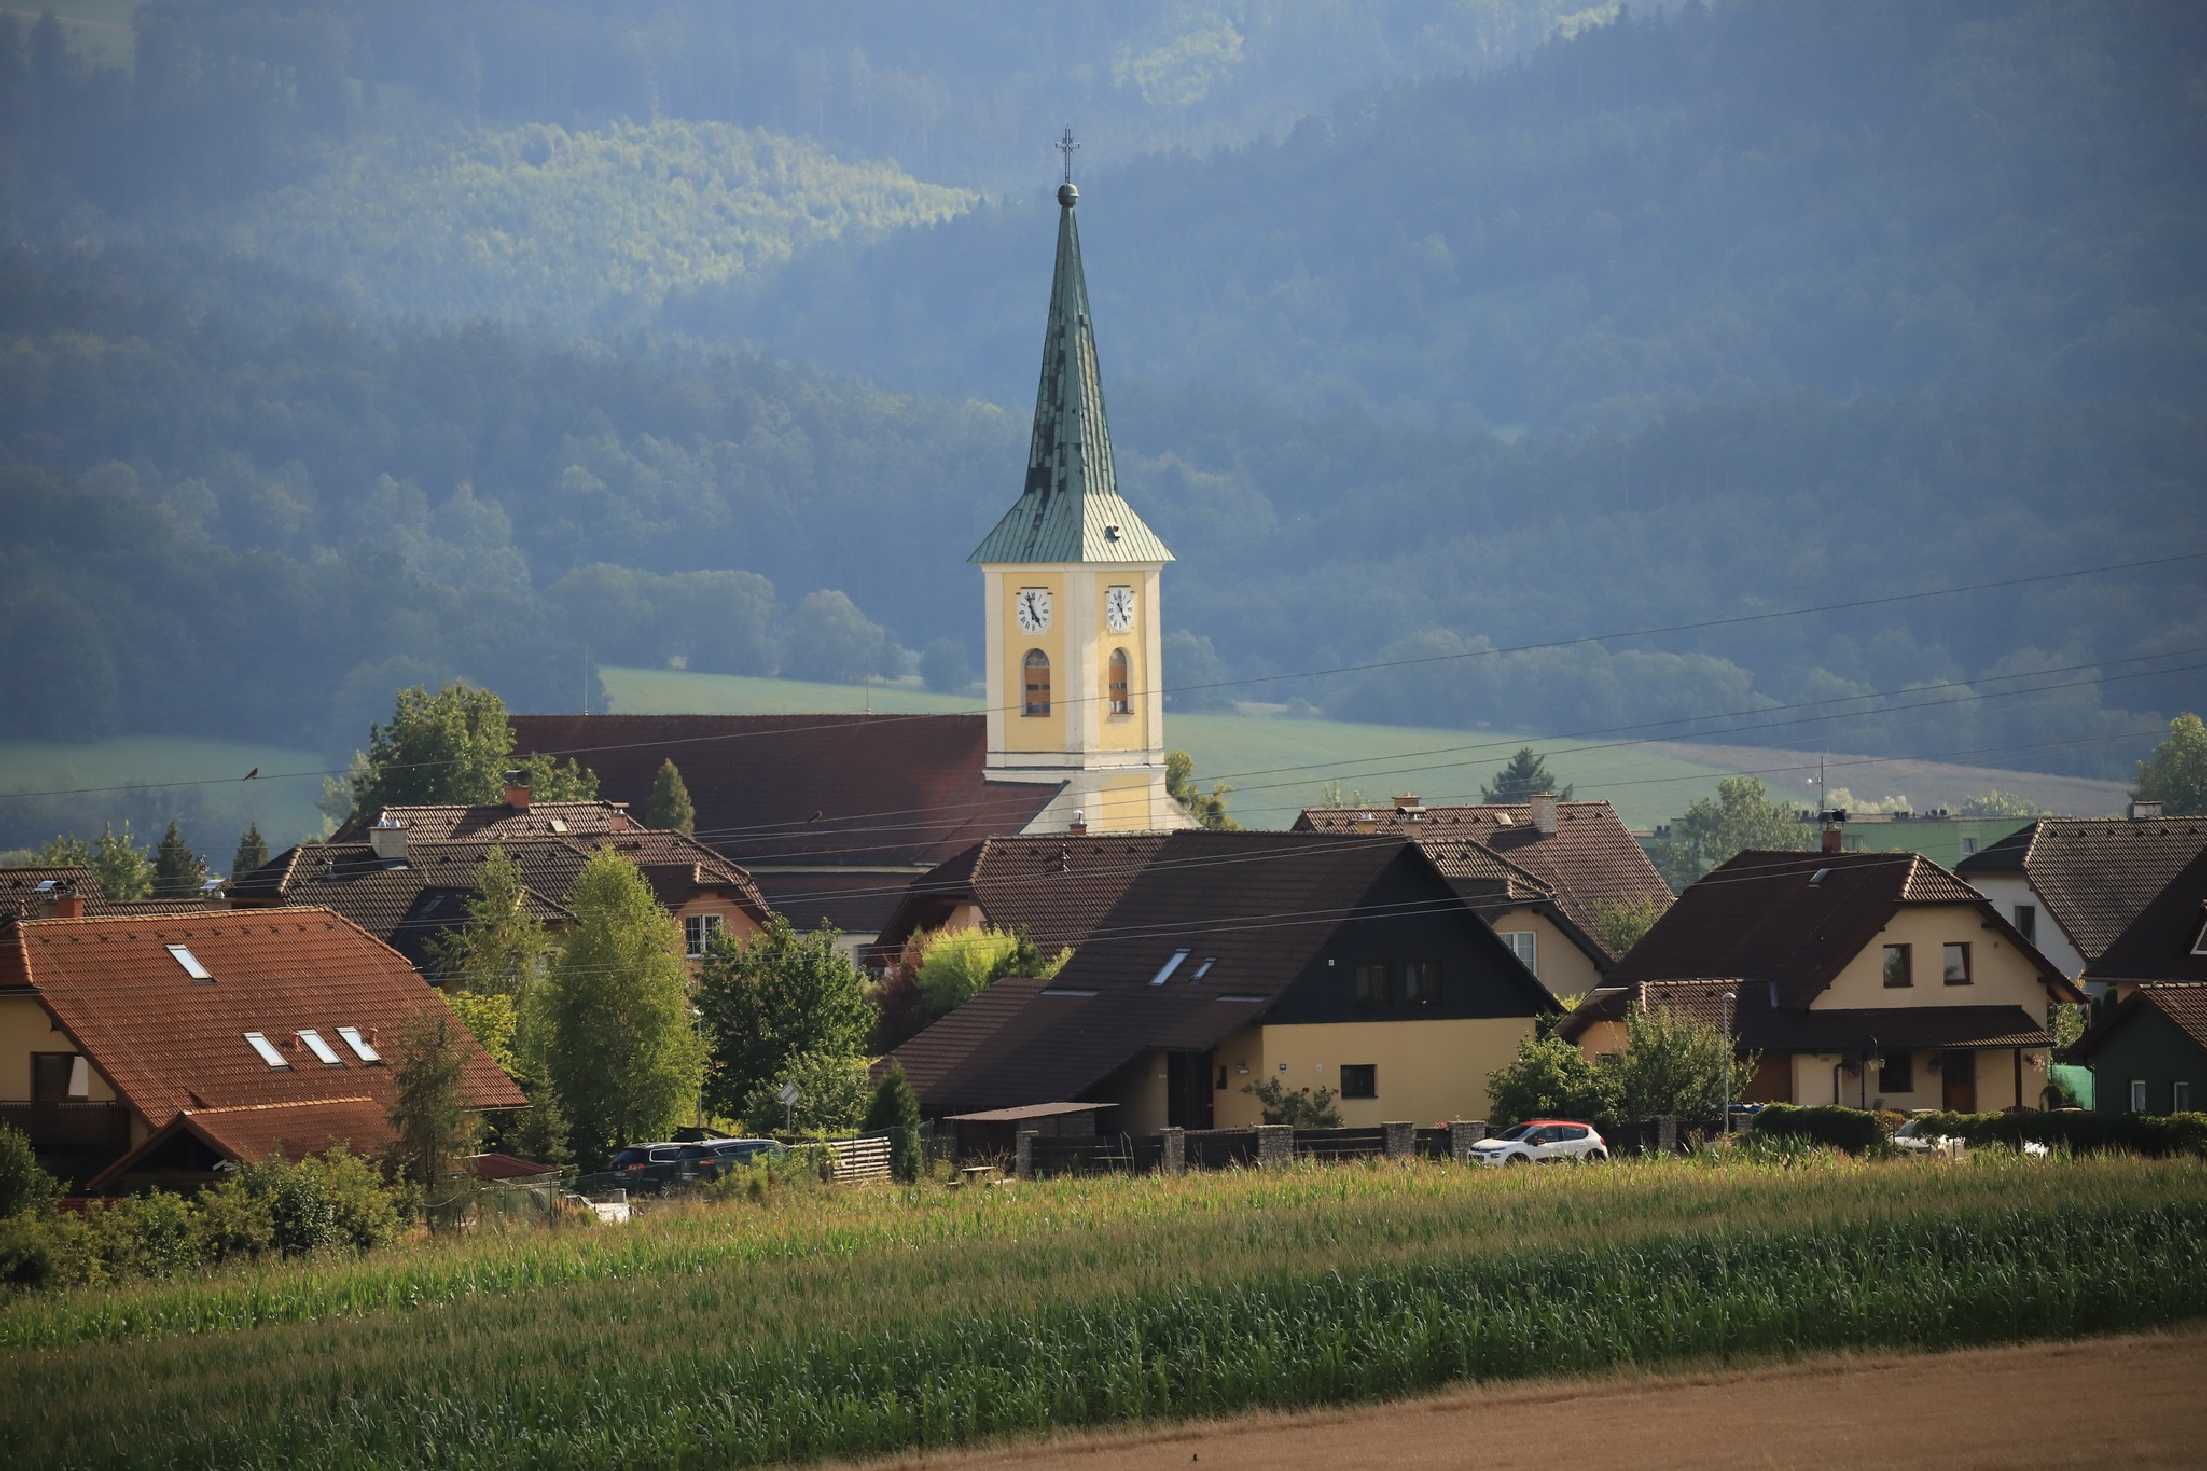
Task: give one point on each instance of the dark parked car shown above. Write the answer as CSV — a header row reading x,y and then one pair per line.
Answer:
x,y
655,1169
723,1155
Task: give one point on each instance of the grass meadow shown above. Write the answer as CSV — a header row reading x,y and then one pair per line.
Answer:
x,y
878,1319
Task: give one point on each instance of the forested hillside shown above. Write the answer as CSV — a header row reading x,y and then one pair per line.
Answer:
x,y
344,346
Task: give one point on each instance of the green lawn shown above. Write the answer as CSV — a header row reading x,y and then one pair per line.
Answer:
x,y
282,804
1248,752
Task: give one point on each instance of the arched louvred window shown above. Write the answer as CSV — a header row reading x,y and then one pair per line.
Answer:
x,y
1037,681
1122,699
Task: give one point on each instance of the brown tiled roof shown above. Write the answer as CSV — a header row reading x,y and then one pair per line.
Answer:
x,y
1253,910
889,791
938,1060
1590,859
853,901
1053,888
497,820
2184,1003
254,1132
677,866
100,904
2168,939
19,887
1794,920
2094,874
168,1043
1760,1023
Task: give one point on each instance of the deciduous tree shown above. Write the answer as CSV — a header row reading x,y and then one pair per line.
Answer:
x,y
124,870
503,948
765,1001
453,746
1207,808
2175,775
1742,816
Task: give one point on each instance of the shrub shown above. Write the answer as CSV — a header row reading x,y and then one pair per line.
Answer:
x,y
51,1250
1551,1078
24,1183
2153,1135
896,1111
151,1235
958,964
831,1094
331,1200
1855,1130
233,1222
1300,1108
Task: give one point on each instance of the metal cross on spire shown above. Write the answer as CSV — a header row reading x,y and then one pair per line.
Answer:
x,y
1067,146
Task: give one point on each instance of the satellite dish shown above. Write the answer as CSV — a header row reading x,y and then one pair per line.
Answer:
x,y
789,1095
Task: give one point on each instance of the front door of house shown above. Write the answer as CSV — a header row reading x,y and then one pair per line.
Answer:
x,y
1958,1082
1188,1090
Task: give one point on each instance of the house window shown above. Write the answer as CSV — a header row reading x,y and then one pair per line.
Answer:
x,y
1037,667
1897,1074
1898,973
698,931
2180,1096
1525,945
1371,983
1121,698
1954,962
1360,1080
2137,1095
59,1077
2026,922
267,1050
323,1052
1421,982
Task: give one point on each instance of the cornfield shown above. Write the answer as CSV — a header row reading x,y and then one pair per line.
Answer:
x,y
876,1320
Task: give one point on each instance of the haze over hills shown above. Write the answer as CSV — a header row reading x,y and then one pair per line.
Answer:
x,y
338,360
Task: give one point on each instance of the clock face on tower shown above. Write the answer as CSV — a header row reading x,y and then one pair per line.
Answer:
x,y
1119,609
1033,604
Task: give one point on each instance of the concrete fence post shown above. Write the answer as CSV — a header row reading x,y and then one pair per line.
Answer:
x,y
1462,1134
1023,1160
1172,1156
1275,1146
1400,1140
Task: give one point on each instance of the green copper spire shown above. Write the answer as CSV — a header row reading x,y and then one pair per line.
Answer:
x,y
1070,510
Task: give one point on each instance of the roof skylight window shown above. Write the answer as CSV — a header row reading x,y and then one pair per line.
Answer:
x,y
361,1046
1819,876
559,824
182,955
1164,972
267,1051
2199,946
322,1050
1204,969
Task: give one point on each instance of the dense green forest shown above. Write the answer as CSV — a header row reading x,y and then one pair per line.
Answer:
x,y
344,346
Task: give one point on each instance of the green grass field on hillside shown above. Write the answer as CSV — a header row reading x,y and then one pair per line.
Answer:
x,y
1276,765
213,815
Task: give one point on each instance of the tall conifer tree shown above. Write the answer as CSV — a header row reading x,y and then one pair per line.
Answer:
x,y
669,805
177,871
252,852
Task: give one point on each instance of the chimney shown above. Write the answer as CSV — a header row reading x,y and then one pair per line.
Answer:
x,y
517,790
1080,822
1408,802
388,839
64,902
2145,811
1367,823
1544,811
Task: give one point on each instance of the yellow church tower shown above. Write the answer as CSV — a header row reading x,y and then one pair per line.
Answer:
x,y
1070,588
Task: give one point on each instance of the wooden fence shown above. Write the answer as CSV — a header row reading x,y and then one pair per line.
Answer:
x,y
855,1161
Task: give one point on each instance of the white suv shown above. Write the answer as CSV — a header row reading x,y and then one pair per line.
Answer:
x,y
1541,1142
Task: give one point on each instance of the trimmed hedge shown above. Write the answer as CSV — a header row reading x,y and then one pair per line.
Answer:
x,y
2154,1135
1858,1131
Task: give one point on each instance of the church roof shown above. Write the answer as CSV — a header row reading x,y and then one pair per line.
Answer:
x,y
1070,510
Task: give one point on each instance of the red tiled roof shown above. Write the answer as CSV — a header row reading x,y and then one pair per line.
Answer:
x,y
2184,1003
1792,921
889,791
20,892
2168,939
254,1132
1590,859
2095,874
1053,888
168,1043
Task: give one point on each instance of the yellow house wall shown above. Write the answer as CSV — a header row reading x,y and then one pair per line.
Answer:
x,y
2000,974
26,1028
1562,967
1127,801
1994,1068
1429,1071
1144,1099
1602,1039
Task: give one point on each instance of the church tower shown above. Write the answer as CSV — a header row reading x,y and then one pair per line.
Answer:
x,y
1070,596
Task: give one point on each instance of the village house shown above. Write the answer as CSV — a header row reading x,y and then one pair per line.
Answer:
x,y
1537,871
1052,888
2072,884
835,815
1874,980
165,1043
2147,1045
408,877
1234,958
34,891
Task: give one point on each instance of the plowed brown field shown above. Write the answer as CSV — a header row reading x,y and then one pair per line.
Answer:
x,y
2133,1402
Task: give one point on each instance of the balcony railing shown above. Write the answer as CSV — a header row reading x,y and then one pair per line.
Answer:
x,y
71,1128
